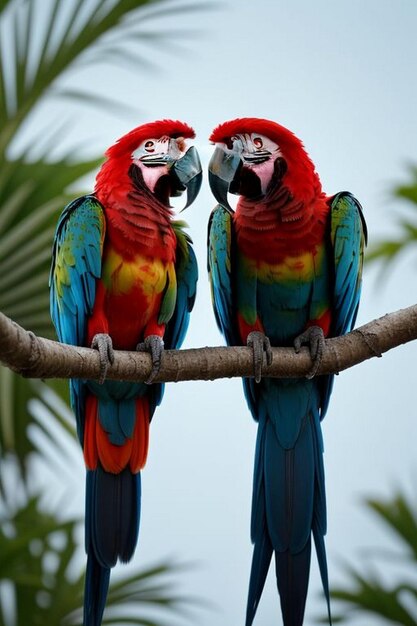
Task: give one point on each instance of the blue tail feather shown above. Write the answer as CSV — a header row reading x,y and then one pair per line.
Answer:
x,y
292,572
97,579
322,560
261,560
111,532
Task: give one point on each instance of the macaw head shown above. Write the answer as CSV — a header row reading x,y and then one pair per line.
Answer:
x,y
155,156
253,156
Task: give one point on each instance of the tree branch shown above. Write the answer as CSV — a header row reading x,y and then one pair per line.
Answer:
x,y
37,357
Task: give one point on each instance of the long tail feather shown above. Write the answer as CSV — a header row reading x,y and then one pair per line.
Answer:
x,y
319,520
261,560
292,579
97,579
111,532
321,557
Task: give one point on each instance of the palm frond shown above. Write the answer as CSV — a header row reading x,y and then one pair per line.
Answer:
x,y
388,250
372,596
367,592
66,38
398,513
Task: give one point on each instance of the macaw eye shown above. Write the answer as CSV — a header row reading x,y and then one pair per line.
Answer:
x,y
258,143
150,146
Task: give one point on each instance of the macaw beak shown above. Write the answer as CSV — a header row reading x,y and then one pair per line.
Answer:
x,y
223,167
187,174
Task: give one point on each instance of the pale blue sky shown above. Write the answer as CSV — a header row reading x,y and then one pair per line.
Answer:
x,y
341,75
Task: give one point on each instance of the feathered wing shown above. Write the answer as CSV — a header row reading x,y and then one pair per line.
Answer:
x,y
186,271
348,236
223,277
184,292
221,242
76,264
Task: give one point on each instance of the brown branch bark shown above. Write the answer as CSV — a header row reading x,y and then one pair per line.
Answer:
x,y
37,357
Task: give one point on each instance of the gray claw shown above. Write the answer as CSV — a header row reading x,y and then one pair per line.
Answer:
x,y
103,343
155,346
314,338
259,343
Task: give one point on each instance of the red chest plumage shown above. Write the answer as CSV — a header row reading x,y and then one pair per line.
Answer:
x,y
278,225
140,229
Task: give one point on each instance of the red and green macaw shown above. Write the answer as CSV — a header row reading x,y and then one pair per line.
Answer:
x,y
123,277
285,269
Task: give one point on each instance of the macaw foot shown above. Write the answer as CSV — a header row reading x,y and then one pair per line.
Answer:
x,y
314,338
153,344
259,343
103,343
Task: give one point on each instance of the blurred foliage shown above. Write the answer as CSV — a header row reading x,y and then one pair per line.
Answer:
x,y
37,553
42,42
368,593
388,250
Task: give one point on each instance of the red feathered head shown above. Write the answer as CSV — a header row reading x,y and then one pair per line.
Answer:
x,y
276,144
248,125
129,142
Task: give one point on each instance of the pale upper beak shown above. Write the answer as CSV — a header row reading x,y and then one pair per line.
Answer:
x,y
169,157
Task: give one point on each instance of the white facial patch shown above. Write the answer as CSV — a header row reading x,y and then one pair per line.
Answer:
x,y
155,156
258,153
